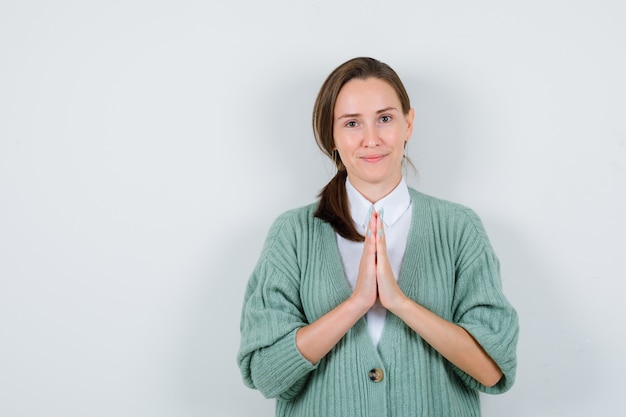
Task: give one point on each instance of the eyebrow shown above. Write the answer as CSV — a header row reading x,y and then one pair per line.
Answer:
x,y
351,115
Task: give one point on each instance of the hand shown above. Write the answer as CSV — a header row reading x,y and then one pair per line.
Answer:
x,y
449,339
365,290
389,292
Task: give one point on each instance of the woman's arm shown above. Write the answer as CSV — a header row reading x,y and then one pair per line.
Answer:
x,y
317,339
452,341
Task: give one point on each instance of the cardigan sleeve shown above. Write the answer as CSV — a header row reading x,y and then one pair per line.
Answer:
x,y
480,307
268,357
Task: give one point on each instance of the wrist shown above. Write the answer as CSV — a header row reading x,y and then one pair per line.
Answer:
x,y
399,304
358,305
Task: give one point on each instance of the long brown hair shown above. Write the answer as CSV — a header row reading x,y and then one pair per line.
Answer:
x,y
333,206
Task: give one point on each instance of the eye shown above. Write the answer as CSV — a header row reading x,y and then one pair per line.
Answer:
x,y
352,123
385,119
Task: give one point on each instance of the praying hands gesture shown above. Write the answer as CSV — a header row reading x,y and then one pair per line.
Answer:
x,y
375,282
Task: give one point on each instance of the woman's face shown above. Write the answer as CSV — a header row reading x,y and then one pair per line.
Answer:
x,y
370,132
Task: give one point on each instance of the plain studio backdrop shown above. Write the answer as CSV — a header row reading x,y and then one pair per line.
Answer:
x,y
147,146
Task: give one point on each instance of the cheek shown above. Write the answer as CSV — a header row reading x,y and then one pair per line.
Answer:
x,y
345,141
398,133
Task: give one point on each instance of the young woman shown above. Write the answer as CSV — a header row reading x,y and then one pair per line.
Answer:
x,y
376,300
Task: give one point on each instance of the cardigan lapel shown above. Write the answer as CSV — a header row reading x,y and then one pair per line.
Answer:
x,y
334,265
419,237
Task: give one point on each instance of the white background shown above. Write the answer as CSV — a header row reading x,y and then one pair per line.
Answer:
x,y
146,147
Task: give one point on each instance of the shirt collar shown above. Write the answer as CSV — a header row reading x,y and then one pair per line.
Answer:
x,y
394,205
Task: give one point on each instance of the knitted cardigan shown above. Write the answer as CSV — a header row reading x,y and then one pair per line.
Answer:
x,y
449,267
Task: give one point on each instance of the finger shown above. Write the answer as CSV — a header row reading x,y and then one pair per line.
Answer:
x,y
371,223
381,242
366,279
370,233
368,257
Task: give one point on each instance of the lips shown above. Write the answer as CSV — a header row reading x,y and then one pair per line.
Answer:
x,y
373,158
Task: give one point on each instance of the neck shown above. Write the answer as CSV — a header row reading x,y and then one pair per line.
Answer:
x,y
375,191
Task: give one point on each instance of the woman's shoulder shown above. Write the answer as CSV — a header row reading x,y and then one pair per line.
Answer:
x,y
293,224
446,213
295,216
439,204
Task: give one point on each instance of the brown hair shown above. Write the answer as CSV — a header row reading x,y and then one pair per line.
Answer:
x,y
333,206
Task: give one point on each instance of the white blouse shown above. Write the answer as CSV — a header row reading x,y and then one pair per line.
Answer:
x,y
397,221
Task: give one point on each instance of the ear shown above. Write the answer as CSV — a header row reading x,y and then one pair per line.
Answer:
x,y
410,116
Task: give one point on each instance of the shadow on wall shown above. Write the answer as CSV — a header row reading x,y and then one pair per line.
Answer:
x,y
211,383
300,161
556,357
437,146
289,174
286,171
556,360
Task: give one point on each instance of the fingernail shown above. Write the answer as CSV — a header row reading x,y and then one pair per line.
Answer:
x,y
369,233
380,232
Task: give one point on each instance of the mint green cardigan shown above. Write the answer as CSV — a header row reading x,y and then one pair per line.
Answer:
x,y
449,267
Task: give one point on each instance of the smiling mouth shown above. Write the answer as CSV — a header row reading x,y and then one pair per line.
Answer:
x,y
373,158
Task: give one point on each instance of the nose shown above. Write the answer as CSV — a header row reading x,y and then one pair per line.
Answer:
x,y
370,137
